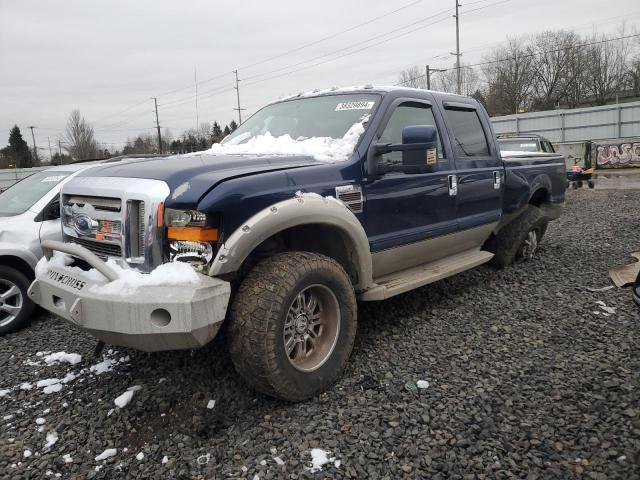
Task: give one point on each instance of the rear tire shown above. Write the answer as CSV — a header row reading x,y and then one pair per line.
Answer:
x,y
15,306
292,325
519,240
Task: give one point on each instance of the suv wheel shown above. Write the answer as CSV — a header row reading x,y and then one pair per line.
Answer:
x,y
292,325
15,306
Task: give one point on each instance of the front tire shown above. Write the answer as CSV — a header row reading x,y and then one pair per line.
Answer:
x,y
519,240
292,325
15,306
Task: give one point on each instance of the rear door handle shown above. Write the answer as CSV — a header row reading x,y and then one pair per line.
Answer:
x,y
453,185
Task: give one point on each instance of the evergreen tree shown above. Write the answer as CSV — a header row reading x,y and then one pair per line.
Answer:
x,y
226,131
233,125
19,149
216,133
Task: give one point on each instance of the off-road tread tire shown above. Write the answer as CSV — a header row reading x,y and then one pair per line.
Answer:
x,y
22,282
259,303
506,244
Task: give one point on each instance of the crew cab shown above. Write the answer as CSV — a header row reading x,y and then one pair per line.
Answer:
x,y
315,202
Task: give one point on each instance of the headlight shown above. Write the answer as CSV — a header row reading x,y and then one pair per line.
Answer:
x,y
190,238
184,218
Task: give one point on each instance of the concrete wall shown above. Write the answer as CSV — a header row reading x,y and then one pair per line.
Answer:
x,y
592,123
9,176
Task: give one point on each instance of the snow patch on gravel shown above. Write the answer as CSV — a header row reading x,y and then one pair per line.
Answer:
x,y
124,399
60,357
109,452
319,458
52,438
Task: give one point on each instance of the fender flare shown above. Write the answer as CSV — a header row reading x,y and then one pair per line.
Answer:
x,y
21,253
305,209
541,182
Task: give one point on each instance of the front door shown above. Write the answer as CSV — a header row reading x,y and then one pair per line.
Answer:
x,y
405,210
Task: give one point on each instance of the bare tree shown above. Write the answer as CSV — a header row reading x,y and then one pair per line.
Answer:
x,y
413,77
508,72
446,81
552,54
608,65
81,143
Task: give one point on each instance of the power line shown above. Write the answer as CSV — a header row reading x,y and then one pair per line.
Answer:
x,y
297,49
528,55
329,37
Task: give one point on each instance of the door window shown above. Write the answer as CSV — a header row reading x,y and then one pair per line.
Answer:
x,y
405,115
469,138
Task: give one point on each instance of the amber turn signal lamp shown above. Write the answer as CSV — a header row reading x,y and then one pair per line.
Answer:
x,y
193,234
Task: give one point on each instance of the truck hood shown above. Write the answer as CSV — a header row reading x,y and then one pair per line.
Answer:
x,y
191,176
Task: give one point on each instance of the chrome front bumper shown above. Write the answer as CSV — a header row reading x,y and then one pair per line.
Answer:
x,y
149,318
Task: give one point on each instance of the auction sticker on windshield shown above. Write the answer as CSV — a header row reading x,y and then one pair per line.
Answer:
x,y
66,280
53,178
362,105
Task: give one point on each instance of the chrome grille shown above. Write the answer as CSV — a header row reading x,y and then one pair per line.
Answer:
x,y
116,217
101,249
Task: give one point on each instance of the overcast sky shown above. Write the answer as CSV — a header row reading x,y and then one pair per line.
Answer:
x,y
109,58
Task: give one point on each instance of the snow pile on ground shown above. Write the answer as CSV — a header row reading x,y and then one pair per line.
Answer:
x,y
67,458
140,456
319,458
60,357
124,399
324,149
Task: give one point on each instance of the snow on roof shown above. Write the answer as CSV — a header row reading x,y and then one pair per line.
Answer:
x,y
359,89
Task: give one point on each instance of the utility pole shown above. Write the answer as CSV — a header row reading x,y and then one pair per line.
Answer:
x,y
195,80
50,152
457,54
155,100
237,87
429,71
35,149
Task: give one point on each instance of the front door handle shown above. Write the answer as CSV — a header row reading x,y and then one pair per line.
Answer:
x,y
453,185
497,180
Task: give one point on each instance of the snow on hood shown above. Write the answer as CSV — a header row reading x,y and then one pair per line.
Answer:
x,y
323,149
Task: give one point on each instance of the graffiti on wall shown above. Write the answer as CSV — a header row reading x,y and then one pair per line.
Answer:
x,y
619,155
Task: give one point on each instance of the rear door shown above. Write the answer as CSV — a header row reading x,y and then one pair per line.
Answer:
x,y
480,171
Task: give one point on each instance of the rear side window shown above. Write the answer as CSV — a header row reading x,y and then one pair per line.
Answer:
x,y
469,138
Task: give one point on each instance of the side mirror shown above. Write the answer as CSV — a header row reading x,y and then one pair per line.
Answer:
x,y
419,149
52,211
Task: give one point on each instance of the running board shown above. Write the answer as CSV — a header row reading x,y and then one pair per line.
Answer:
x,y
414,277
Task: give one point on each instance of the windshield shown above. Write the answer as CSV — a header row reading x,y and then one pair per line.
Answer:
x,y
20,197
326,127
327,116
521,145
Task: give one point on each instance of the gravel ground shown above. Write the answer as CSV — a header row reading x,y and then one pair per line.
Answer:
x,y
525,380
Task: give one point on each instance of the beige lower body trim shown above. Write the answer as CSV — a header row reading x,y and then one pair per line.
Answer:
x,y
426,251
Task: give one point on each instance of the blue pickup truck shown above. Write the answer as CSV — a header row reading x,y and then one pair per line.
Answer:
x,y
315,202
